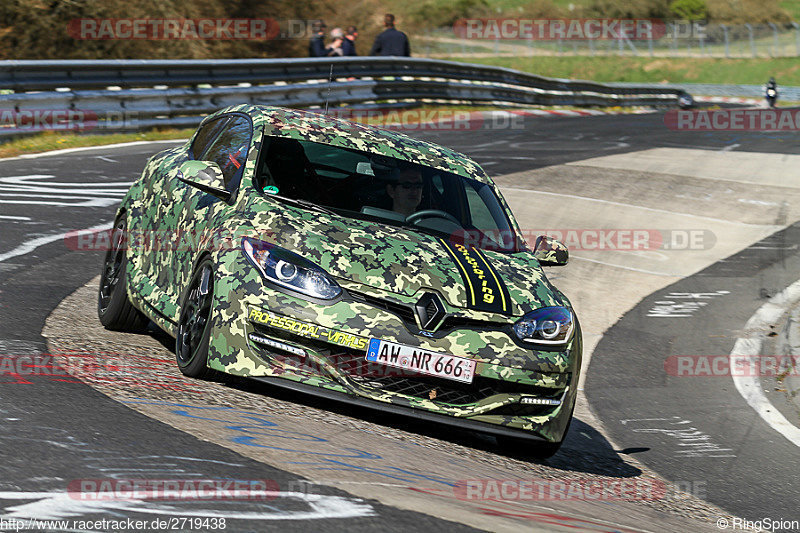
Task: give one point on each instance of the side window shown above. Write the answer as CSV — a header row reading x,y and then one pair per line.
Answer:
x,y
229,151
436,182
206,135
480,215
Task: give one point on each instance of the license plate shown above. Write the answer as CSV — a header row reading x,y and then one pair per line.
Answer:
x,y
422,361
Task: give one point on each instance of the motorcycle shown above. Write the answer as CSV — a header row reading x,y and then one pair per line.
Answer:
x,y
685,101
772,96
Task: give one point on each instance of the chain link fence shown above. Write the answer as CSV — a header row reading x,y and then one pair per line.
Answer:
x,y
676,39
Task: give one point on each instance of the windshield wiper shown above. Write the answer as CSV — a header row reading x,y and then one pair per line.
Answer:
x,y
304,203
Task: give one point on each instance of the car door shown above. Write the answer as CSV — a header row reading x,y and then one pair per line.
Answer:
x,y
157,217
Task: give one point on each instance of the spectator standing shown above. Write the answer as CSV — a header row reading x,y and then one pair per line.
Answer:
x,y
349,43
335,48
316,47
391,41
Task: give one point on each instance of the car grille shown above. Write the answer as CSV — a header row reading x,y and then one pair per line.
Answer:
x,y
408,383
446,391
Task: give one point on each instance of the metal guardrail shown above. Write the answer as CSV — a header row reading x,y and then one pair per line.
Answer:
x,y
136,94
785,92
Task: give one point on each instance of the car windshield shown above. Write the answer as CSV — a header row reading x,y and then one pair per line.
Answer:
x,y
369,186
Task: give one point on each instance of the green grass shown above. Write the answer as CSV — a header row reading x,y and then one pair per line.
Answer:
x,y
792,7
510,6
654,70
46,141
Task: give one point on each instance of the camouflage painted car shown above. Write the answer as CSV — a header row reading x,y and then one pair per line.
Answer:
x,y
352,262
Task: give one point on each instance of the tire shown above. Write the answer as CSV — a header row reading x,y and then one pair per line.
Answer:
x,y
114,309
194,324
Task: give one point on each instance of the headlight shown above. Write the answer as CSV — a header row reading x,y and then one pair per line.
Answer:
x,y
289,270
548,325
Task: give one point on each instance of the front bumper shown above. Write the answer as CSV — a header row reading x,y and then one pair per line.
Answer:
x,y
262,332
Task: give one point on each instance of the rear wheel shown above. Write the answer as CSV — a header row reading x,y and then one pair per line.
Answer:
x,y
194,324
113,306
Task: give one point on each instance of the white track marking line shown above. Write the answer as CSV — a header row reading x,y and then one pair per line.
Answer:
x,y
63,505
730,147
29,246
82,148
633,206
9,217
750,347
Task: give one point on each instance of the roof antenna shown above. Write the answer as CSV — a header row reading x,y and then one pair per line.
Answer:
x,y
330,80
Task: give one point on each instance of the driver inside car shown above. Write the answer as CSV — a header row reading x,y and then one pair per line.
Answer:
x,y
406,192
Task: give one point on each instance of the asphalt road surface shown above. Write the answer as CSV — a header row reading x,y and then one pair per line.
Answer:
x,y
57,430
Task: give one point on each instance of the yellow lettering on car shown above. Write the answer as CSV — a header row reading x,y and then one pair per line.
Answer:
x,y
304,329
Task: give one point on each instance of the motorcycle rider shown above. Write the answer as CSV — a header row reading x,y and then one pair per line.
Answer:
x,y
771,92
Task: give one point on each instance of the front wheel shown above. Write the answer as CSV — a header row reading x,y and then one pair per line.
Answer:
x,y
194,325
114,309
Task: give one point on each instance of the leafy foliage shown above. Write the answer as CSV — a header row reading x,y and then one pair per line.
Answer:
x,y
689,9
38,29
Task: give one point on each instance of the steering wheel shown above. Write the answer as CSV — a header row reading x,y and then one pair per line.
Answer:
x,y
413,218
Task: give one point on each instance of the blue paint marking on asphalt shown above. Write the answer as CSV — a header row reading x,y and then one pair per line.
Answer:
x,y
358,454
326,461
392,472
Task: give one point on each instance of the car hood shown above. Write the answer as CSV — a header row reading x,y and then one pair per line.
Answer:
x,y
401,261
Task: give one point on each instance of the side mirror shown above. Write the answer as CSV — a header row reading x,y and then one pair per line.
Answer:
x,y
206,176
550,252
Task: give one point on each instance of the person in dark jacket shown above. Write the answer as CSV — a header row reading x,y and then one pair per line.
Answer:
x,y
390,42
349,43
316,47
